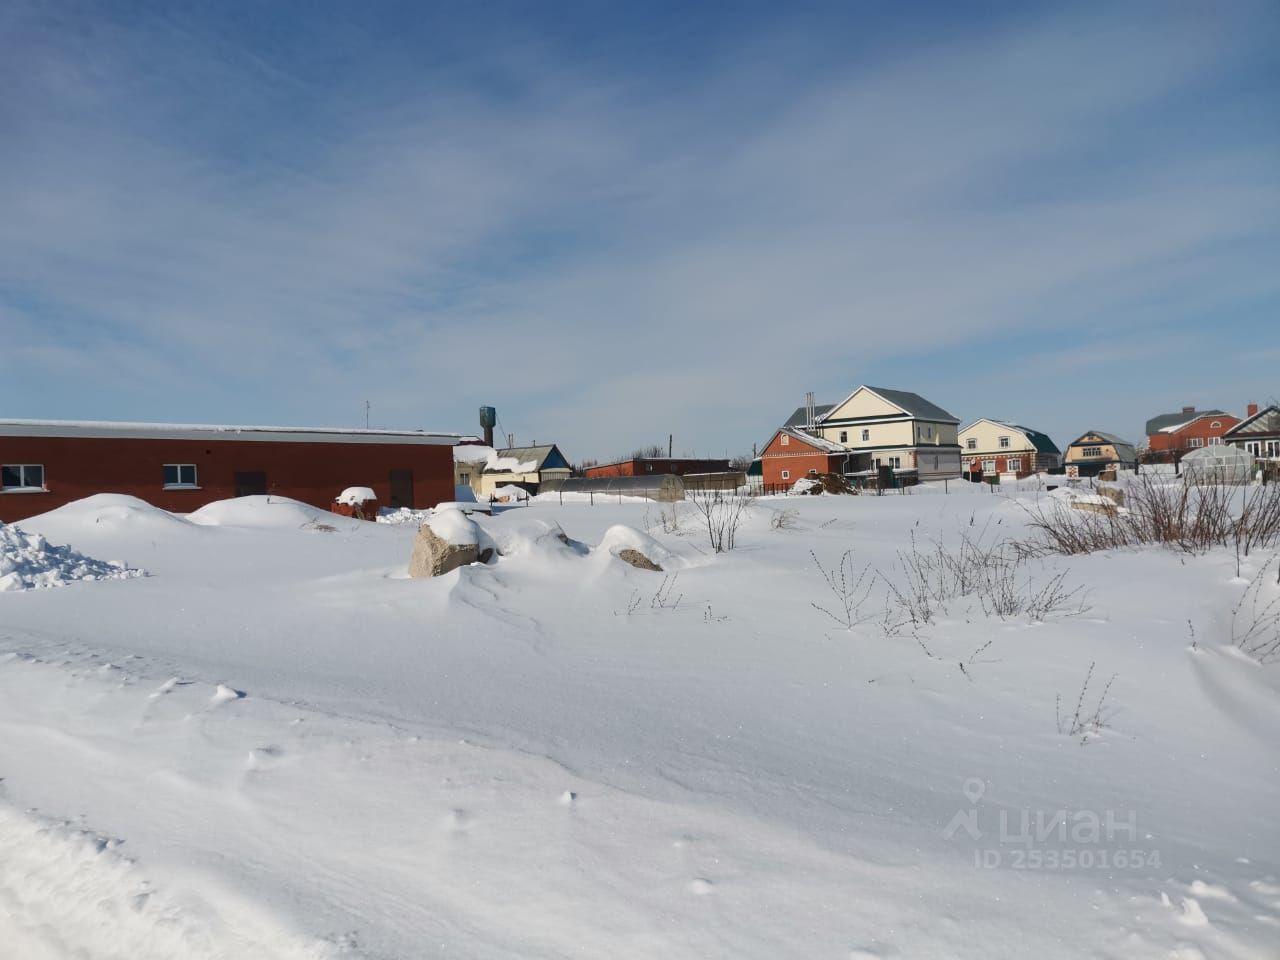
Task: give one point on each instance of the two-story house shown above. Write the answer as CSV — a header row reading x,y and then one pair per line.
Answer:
x,y
1096,451
1171,435
994,447
892,428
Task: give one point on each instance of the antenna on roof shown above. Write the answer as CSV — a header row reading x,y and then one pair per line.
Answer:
x,y
366,414
809,415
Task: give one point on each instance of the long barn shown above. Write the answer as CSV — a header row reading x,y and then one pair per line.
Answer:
x,y
180,467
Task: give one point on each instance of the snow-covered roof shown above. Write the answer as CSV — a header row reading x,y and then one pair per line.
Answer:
x,y
205,431
818,443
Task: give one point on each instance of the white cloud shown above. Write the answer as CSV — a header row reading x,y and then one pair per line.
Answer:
x,y
630,258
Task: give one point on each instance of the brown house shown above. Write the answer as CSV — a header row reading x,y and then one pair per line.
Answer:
x,y
47,463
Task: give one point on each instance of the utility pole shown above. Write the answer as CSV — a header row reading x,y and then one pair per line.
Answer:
x,y
366,414
671,439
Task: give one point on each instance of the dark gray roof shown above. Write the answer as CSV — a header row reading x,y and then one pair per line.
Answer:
x,y
798,418
1156,424
914,404
1124,449
1039,440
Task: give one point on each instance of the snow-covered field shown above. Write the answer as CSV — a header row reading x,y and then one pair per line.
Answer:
x,y
277,745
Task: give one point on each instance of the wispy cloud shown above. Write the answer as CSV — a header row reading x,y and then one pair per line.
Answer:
x,y
206,228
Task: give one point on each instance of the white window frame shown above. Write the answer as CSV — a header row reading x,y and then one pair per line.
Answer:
x,y
866,435
1272,449
1012,464
1215,441
1194,443
786,474
988,467
895,462
23,486
1004,443
1091,451
971,443
181,484
1216,425
844,436
785,441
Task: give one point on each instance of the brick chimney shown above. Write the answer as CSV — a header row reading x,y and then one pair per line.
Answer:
x,y
1253,410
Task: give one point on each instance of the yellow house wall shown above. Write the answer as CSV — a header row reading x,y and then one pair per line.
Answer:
x,y
1076,454
988,436
864,404
901,433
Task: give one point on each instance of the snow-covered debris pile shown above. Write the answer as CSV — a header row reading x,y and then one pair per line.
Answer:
x,y
29,561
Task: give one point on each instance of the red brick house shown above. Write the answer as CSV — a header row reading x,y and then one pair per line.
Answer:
x,y
646,466
1171,435
791,454
45,464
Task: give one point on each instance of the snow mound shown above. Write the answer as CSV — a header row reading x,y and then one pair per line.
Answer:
x,y
530,537
28,561
620,537
266,512
108,512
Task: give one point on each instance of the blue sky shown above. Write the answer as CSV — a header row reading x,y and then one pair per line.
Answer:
x,y
615,222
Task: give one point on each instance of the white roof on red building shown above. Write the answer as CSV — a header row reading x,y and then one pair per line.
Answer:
x,y
108,429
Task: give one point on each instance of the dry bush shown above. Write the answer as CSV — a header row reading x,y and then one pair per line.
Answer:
x,y
927,580
1185,516
1255,619
722,513
850,592
784,519
1081,723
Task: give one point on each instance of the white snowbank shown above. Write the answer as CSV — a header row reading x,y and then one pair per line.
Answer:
x,y
271,512
621,537
28,561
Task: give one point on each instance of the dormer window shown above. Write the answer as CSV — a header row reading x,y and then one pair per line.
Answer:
x,y
1004,443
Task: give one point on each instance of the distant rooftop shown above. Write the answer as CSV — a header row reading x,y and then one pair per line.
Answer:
x,y
103,429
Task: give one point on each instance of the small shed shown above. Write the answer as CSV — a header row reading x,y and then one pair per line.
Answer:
x,y
1218,464
358,502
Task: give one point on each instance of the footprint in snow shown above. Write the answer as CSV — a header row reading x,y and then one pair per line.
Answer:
x,y
263,757
458,821
225,694
568,798
700,887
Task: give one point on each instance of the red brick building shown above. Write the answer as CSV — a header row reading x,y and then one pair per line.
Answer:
x,y
644,466
791,454
1172,434
45,464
